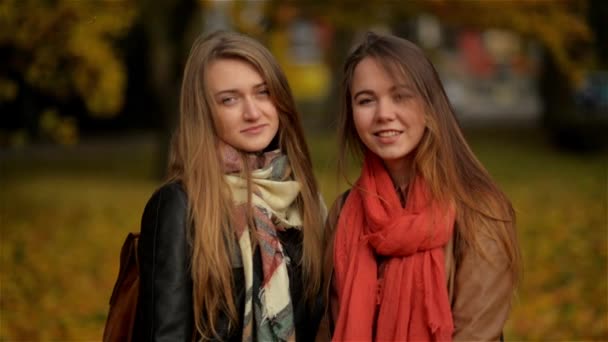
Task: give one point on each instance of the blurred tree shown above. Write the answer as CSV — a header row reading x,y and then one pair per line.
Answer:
x,y
574,41
344,24
560,26
65,48
168,28
598,16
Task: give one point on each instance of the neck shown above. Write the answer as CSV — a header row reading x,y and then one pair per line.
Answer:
x,y
400,171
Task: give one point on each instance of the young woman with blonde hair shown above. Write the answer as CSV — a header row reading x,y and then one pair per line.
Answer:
x,y
423,247
230,246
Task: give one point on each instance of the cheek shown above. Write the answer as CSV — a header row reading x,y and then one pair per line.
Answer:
x,y
421,129
274,113
422,123
223,122
362,127
418,121
270,110
360,121
273,118
219,124
359,129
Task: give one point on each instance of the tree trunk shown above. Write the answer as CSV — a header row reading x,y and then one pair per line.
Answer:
x,y
165,25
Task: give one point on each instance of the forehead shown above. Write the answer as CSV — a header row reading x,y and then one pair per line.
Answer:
x,y
231,73
372,72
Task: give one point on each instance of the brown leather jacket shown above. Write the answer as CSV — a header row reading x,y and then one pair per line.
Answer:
x,y
480,289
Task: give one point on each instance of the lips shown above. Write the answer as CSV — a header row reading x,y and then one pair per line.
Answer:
x,y
387,133
254,129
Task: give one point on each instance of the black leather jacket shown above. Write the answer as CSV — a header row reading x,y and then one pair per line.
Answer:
x,y
165,310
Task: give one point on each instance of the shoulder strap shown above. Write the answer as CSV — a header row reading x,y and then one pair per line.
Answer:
x,y
123,302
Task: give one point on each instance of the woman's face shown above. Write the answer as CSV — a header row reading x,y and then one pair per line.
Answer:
x,y
246,117
388,114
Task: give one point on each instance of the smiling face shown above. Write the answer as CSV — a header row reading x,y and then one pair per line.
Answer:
x,y
245,115
387,112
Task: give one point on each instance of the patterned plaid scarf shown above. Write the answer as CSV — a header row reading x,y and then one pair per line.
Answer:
x,y
273,198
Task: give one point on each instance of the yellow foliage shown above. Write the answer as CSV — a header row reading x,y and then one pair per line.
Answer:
x,y
18,139
48,120
67,47
60,130
66,132
560,26
63,223
308,81
8,89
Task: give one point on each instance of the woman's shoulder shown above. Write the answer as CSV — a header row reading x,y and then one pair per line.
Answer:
x,y
166,207
340,200
336,208
170,194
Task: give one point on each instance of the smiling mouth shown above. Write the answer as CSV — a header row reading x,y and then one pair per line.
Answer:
x,y
388,133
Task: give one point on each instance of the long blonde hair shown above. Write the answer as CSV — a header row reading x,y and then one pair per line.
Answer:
x,y
195,162
443,157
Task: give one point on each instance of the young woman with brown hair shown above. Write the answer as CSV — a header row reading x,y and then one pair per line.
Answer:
x,y
423,247
230,246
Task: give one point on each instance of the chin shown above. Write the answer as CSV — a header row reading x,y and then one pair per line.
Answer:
x,y
392,155
387,154
253,148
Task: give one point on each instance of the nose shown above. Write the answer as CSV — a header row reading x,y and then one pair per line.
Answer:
x,y
251,111
385,111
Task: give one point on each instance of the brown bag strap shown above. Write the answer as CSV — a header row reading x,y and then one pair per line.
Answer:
x,y
128,254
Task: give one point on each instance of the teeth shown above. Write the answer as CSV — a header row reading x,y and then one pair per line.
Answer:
x,y
388,133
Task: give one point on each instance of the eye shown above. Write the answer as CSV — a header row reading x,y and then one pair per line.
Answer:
x,y
264,92
398,97
229,100
364,101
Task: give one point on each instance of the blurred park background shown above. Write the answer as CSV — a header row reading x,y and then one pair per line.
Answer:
x,y
88,96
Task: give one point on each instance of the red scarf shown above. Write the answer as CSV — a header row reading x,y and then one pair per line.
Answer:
x,y
414,304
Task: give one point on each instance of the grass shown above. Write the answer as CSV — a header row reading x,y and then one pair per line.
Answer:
x,y
64,215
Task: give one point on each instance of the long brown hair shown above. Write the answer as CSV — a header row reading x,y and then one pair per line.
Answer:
x,y
443,157
195,162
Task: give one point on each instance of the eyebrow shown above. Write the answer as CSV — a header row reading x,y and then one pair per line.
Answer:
x,y
393,88
232,91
